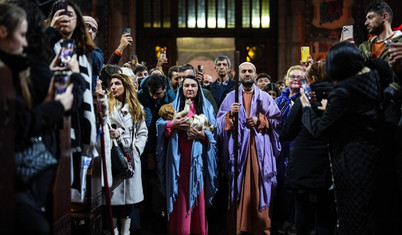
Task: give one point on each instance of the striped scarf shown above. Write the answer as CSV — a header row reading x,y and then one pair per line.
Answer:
x,y
83,123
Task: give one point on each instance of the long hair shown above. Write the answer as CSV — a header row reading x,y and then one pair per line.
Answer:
x,y
294,67
83,41
343,60
11,16
316,72
198,101
130,97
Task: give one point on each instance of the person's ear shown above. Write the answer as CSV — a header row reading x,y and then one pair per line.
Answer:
x,y
3,32
385,16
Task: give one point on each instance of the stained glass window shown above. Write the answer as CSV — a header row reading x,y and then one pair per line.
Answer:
x,y
212,14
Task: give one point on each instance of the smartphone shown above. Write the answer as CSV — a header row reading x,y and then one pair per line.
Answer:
x,y
133,59
67,51
307,90
127,30
305,54
200,68
61,81
162,56
347,31
61,5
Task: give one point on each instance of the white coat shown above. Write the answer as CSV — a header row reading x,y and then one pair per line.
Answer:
x,y
107,144
130,190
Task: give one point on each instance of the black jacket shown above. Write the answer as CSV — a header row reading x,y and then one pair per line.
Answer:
x,y
361,164
308,158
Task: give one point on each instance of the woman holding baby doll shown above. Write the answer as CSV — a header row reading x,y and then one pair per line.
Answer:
x,y
187,165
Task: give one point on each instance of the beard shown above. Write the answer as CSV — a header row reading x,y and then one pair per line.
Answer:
x,y
247,83
377,29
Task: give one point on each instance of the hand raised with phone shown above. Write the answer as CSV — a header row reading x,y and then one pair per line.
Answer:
x,y
162,57
72,64
60,18
125,40
347,34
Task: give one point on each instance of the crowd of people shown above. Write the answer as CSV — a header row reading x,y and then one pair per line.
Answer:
x,y
205,155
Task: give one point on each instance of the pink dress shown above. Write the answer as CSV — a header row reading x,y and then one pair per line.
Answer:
x,y
184,220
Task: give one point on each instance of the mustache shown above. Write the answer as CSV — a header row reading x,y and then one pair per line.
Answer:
x,y
247,83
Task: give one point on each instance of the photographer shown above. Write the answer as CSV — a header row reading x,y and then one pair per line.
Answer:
x,y
66,24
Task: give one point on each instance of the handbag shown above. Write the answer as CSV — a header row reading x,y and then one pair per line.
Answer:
x,y
120,164
33,160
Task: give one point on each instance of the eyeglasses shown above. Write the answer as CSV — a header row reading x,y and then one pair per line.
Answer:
x,y
294,77
90,27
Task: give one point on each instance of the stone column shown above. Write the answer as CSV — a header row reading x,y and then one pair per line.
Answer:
x,y
291,33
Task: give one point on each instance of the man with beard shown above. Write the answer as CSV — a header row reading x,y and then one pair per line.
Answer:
x,y
173,75
258,121
378,22
224,84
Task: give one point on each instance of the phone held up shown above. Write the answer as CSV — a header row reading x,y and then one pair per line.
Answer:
x,y
200,68
305,54
127,30
61,81
307,89
347,32
67,51
162,56
61,6
133,60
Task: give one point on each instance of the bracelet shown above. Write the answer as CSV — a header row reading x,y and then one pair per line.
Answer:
x,y
118,52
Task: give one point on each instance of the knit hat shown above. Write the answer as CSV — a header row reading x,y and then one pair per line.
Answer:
x,y
90,20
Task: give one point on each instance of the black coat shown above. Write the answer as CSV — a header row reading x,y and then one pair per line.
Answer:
x,y
362,167
40,120
308,158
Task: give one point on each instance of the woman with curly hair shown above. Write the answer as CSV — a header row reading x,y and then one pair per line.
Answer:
x,y
128,126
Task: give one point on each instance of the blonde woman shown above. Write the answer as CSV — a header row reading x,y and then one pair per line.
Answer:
x,y
128,126
283,214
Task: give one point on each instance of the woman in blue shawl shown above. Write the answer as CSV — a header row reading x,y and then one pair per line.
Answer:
x,y
187,163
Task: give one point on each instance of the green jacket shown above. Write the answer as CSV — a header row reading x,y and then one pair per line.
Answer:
x,y
365,47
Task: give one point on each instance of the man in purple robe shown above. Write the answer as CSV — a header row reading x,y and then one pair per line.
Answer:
x,y
258,141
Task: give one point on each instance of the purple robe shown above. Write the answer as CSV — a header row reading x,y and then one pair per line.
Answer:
x,y
267,145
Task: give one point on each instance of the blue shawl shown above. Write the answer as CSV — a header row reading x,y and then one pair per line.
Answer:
x,y
168,160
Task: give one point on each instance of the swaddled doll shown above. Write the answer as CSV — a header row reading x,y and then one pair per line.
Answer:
x,y
167,112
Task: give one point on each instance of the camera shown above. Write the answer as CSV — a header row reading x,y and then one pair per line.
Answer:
x,y
67,51
307,89
133,60
127,30
61,81
347,31
61,6
305,54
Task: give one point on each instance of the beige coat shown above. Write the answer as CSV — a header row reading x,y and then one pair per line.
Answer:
x,y
130,190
